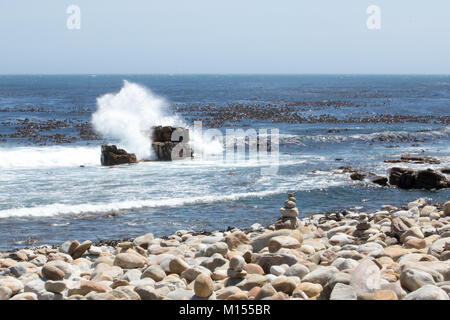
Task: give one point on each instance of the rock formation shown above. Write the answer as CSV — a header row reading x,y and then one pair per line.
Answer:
x,y
111,156
289,214
421,179
169,142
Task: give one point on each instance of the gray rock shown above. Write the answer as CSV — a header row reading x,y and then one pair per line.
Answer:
x,y
275,259
216,260
366,277
17,270
297,270
181,294
428,292
343,263
5,293
154,272
55,286
37,286
412,279
132,275
219,247
320,275
343,292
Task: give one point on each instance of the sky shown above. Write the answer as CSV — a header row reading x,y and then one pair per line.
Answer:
x,y
224,37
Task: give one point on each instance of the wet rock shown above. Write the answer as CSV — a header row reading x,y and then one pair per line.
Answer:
x,y
422,179
111,156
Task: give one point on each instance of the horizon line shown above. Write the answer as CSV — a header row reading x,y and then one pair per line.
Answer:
x,y
225,74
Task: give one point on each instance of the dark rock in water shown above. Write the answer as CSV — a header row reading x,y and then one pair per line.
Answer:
x,y
414,159
422,179
445,170
111,155
382,181
430,179
357,176
171,143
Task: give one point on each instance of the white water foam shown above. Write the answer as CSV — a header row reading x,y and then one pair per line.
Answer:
x,y
317,181
128,116
48,157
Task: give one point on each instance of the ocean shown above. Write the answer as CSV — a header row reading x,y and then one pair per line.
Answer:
x,y
53,188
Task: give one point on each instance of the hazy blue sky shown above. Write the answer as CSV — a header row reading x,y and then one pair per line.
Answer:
x,y
232,36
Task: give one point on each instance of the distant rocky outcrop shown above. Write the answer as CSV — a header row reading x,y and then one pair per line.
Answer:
x,y
111,156
406,158
421,179
169,141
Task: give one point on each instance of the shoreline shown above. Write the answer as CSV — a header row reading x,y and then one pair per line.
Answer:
x,y
405,251
115,242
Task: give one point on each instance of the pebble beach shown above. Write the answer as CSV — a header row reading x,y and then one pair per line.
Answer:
x,y
394,253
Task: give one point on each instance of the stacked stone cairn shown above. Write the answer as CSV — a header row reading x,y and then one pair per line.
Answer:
x,y
289,214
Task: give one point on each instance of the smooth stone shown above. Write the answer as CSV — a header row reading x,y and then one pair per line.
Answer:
x,y
50,270
343,264
251,281
237,263
178,266
262,240
219,247
213,262
55,286
154,272
343,292
276,243
284,284
396,287
150,293
310,289
438,246
25,296
17,270
385,295
297,270
81,249
412,279
289,213
37,286
132,275
5,293
266,291
320,275
129,261
428,292
143,241
192,273
181,294
253,268
203,286
277,270
275,259
236,239
226,292
366,277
